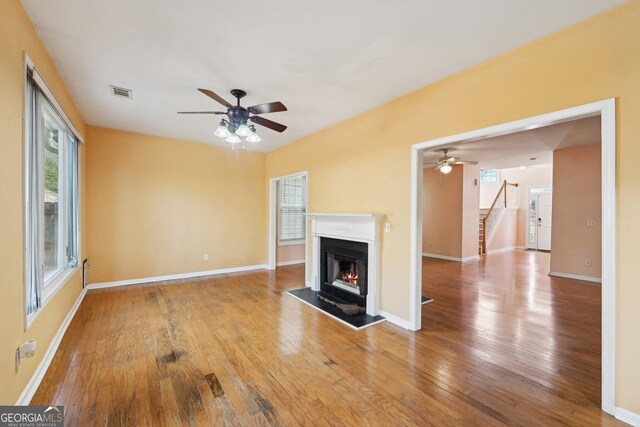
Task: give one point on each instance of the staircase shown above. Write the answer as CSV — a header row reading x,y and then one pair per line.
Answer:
x,y
489,217
481,246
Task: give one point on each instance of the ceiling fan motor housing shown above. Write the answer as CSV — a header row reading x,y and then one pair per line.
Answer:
x,y
237,116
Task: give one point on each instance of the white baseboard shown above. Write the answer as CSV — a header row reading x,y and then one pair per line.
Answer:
x,y
405,324
294,262
36,378
503,250
175,276
628,417
576,276
451,258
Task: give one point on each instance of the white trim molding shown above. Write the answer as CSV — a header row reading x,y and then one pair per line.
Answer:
x,y
141,281
504,250
606,109
399,321
575,276
293,262
451,258
628,417
51,97
33,384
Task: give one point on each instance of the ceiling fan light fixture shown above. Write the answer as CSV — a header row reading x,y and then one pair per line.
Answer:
x,y
222,131
243,130
235,128
253,137
446,168
233,139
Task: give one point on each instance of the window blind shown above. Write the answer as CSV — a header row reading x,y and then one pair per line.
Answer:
x,y
291,208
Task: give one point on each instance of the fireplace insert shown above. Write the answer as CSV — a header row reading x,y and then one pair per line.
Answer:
x,y
343,270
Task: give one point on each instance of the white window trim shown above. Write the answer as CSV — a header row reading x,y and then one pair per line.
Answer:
x,y
57,282
28,64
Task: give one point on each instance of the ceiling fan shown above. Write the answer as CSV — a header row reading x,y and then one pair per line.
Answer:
x,y
236,124
446,162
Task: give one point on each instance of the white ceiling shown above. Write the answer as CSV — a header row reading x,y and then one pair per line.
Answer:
x,y
526,148
325,60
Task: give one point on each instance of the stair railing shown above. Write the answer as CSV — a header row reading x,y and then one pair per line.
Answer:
x,y
490,219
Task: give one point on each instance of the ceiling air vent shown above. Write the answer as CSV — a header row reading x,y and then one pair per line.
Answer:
x,y
121,92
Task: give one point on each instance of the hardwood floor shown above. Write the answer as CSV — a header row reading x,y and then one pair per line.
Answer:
x,y
502,344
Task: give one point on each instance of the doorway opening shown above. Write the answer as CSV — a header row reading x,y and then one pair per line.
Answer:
x,y
539,216
605,110
287,221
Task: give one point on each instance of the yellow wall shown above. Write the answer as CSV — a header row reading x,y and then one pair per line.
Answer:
x,y
594,60
17,36
155,206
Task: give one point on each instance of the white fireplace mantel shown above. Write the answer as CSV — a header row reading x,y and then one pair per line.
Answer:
x,y
358,227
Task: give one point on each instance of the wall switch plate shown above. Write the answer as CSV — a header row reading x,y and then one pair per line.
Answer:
x,y
205,257
387,227
587,262
591,223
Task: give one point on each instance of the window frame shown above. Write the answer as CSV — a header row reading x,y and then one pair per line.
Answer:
x,y
497,180
69,183
303,206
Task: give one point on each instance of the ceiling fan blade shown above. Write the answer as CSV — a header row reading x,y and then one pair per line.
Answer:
x,y
201,112
215,96
465,162
268,123
430,164
271,107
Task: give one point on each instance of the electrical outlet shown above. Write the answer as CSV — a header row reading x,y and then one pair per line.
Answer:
x,y
587,262
205,257
591,223
26,350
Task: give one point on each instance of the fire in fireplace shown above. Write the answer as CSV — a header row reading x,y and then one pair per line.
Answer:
x,y
343,273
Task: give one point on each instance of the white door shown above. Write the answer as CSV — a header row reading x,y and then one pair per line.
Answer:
x,y
532,223
544,222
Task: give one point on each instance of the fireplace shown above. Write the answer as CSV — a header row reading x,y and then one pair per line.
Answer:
x,y
345,258
343,270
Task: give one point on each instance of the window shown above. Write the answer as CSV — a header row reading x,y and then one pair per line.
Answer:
x,y
489,176
292,202
51,196
540,190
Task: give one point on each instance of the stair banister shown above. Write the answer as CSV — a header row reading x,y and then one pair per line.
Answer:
x,y
503,188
